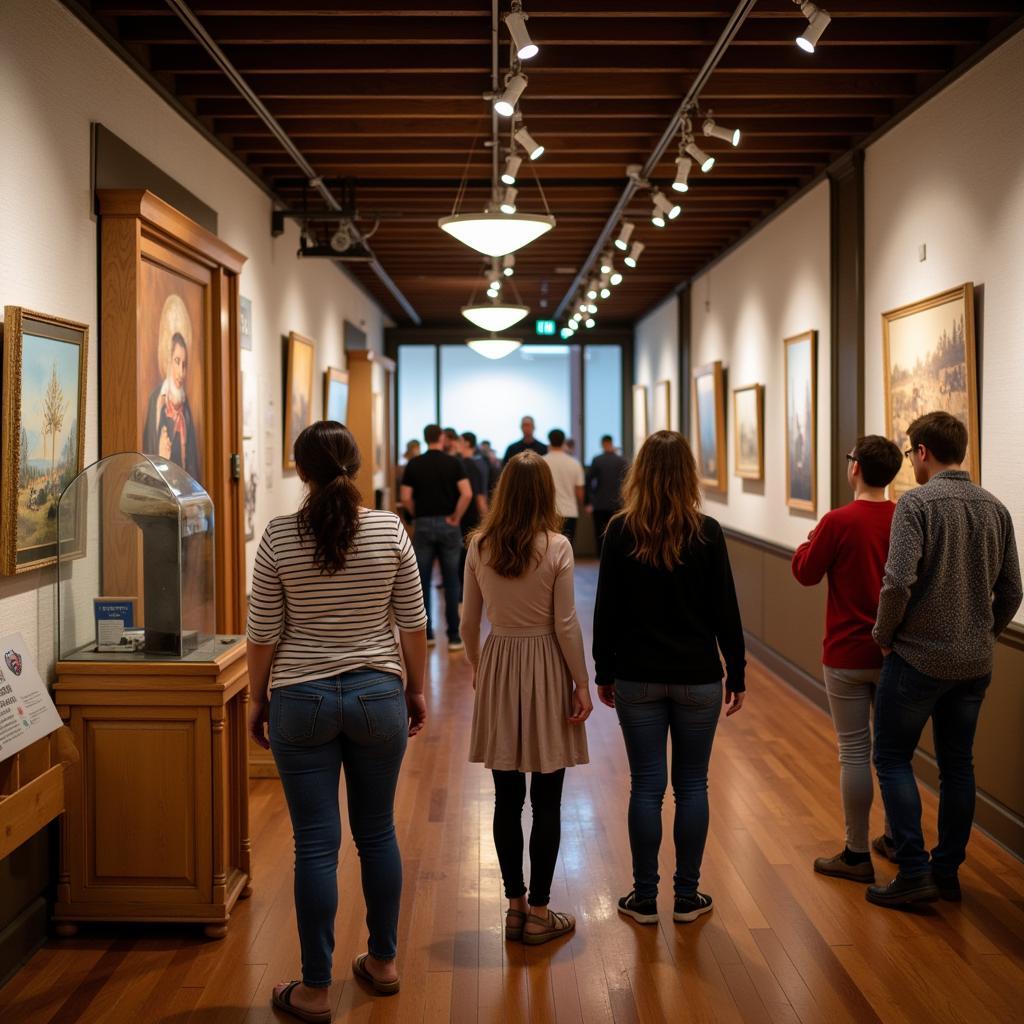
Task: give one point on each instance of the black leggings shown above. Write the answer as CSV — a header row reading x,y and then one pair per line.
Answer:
x,y
545,836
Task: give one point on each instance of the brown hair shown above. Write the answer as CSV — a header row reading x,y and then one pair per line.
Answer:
x,y
942,434
523,506
661,500
879,459
327,458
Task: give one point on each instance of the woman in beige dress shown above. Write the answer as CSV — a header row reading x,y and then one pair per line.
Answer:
x,y
531,682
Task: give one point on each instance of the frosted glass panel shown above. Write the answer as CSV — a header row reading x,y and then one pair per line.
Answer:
x,y
602,397
417,392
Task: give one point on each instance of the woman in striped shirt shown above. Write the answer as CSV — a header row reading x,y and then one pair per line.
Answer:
x,y
330,584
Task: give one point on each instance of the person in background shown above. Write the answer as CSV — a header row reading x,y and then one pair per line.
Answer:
x,y
436,493
494,466
450,441
570,447
951,586
330,583
849,546
528,443
475,470
412,449
604,486
666,604
531,682
568,477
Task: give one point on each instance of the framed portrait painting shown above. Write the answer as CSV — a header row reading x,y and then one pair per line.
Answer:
x,y
298,392
709,410
930,364
801,421
639,415
748,431
335,394
44,367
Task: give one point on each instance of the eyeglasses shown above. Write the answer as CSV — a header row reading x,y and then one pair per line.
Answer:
x,y
851,458
909,452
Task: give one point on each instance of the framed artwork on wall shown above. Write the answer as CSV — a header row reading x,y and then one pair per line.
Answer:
x,y
298,392
930,364
245,322
801,421
748,426
709,410
639,415
335,394
250,484
43,395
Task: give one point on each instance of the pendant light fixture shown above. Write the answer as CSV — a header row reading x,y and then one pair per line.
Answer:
x,y
496,234
494,348
494,315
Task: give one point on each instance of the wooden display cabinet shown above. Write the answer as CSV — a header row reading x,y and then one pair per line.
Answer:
x,y
157,822
371,412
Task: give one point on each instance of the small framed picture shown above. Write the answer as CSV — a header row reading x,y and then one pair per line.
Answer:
x,y
709,409
298,394
335,394
801,422
748,426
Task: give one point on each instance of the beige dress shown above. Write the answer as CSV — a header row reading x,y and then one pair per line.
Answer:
x,y
525,672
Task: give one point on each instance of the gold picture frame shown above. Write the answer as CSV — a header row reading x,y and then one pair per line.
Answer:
x,y
801,412
930,363
35,406
748,431
639,415
298,392
709,414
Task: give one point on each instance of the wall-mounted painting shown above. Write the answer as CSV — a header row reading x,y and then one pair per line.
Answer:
x,y
801,422
639,415
335,394
930,364
709,409
663,405
250,484
245,322
43,397
748,427
298,393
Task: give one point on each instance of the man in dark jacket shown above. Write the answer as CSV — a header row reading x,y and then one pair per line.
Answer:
x,y
604,486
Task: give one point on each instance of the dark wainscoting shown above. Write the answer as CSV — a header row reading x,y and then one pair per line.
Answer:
x,y
785,622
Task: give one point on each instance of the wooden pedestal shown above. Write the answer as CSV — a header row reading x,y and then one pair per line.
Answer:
x,y
157,822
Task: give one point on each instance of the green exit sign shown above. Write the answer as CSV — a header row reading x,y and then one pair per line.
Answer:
x,y
546,327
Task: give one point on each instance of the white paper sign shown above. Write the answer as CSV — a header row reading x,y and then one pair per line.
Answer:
x,y
26,712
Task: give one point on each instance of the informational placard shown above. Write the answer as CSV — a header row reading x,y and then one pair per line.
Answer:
x,y
26,712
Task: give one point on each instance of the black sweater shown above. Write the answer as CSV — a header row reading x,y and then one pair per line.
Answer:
x,y
658,626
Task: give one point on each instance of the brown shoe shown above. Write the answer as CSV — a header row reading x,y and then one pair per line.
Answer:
x,y
837,867
556,925
884,847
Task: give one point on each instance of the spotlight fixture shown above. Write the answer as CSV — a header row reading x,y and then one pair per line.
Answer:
x,y
505,102
818,20
634,254
616,278
494,279
567,332
512,164
494,348
342,237
606,292
516,22
704,162
591,307
718,132
494,316
622,242
508,200
683,165
589,322
592,289
534,150
496,234
606,263
663,211
582,307
508,265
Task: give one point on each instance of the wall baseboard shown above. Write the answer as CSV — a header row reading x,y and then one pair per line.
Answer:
x,y
22,937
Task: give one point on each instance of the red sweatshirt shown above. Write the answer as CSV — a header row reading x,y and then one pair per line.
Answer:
x,y
850,545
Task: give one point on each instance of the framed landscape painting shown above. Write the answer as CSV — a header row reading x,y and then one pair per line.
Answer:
x,y
748,424
335,394
801,422
930,364
44,367
639,415
298,393
709,410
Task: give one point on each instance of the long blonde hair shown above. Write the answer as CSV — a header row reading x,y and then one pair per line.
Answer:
x,y
523,506
661,500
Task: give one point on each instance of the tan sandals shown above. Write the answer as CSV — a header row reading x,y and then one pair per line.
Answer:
x,y
514,922
283,1001
382,988
556,925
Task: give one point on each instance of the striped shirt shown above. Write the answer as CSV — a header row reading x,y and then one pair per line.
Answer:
x,y
326,625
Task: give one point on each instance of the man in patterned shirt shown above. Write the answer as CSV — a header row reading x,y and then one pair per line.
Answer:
x,y
951,586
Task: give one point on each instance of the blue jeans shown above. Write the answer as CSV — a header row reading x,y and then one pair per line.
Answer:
x,y
648,712
358,719
906,699
432,539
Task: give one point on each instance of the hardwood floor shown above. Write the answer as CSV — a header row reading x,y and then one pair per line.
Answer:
x,y
782,945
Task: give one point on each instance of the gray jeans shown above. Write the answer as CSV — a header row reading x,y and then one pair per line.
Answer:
x,y
851,696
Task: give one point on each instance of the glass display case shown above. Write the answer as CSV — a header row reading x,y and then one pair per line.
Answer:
x,y
135,562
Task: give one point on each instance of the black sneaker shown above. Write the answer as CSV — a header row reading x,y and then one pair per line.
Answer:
x,y
643,911
903,892
689,908
455,644
948,886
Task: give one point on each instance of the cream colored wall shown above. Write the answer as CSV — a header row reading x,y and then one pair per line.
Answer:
x,y
772,287
656,355
951,178
56,78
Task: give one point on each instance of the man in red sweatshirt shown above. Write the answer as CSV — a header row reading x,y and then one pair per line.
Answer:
x,y
850,546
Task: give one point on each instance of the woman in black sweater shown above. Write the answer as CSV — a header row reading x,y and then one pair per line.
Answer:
x,y
666,606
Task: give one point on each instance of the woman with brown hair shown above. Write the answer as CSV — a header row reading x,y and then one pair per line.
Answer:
x,y
531,682
666,605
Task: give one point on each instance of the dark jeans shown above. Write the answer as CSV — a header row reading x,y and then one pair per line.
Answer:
x,y
569,529
545,836
601,519
432,539
648,713
358,719
906,699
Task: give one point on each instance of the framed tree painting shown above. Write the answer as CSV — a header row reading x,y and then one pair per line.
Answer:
x,y
748,427
801,422
44,366
930,364
639,415
335,394
298,392
709,410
